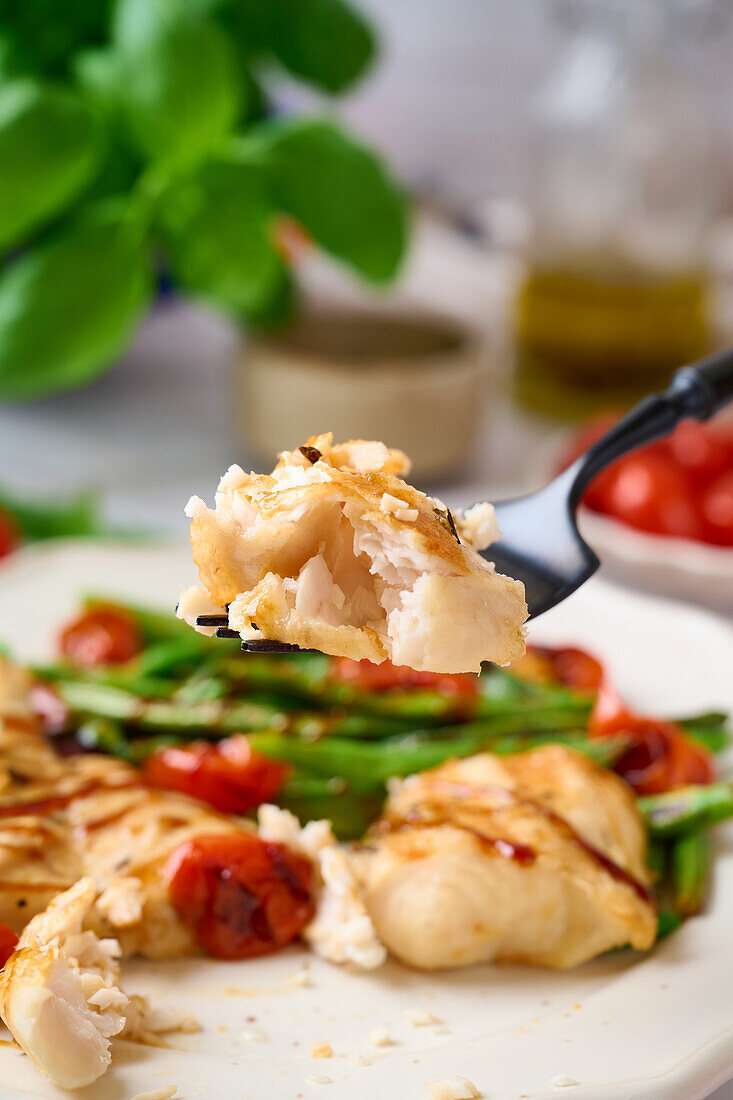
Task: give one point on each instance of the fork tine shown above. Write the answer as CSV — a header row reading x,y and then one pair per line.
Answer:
x,y
273,647
212,620
226,632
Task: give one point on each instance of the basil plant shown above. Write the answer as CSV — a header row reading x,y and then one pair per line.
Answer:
x,y
136,137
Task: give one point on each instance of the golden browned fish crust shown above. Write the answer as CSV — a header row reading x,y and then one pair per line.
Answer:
x,y
334,551
535,858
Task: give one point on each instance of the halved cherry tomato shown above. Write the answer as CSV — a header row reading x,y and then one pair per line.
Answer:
x,y
382,677
228,775
575,668
717,510
8,943
240,895
103,635
660,756
9,534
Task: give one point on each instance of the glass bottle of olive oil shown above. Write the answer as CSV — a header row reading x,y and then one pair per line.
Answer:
x,y
588,339
614,295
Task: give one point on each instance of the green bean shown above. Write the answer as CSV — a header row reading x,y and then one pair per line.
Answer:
x,y
311,682
400,756
213,717
691,858
686,809
709,730
656,859
667,921
105,735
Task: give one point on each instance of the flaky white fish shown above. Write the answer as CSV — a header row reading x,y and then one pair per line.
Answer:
x,y
334,551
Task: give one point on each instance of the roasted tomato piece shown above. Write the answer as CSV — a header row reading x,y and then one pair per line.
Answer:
x,y
8,943
103,635
9,534
229,775
570,666
660,755
383,677
240,895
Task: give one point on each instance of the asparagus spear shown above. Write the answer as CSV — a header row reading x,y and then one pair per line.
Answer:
x,y
691,859
687,809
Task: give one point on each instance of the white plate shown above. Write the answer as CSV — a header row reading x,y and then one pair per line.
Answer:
x,y
626,1028
682,568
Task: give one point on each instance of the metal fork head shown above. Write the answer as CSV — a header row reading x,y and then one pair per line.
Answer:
x,y
223,630
541,546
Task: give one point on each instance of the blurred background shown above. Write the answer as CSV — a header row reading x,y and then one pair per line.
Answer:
x,y
476,230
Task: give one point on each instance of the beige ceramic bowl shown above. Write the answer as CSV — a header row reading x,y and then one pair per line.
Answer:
x,y
414,380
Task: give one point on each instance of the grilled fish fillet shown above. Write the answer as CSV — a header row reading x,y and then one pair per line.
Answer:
x,y
63,819
534,858
334,551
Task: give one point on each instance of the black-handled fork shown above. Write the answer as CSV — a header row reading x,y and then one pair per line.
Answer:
x,y
540,543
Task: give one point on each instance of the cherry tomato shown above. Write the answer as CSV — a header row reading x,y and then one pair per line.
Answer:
x,y
646,492
383,677
9,534
717,510
228,775
103,635
571,666
700,450
8,943
660,756
240,895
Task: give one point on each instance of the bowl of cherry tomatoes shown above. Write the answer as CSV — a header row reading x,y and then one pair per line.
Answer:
x,y
662,517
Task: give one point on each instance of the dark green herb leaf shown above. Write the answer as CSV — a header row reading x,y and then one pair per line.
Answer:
x,y
338,189
325,42
50,147
46,33
179,87
97,75
78,515
69,306
216,225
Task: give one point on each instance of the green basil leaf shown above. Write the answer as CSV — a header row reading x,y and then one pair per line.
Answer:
x,y
179,87
69,306
50,146
326,42
97,75
216,226
46,33
51,519
338,189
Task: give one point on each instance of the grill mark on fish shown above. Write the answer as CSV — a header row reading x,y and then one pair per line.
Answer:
x,y
42,806
467,791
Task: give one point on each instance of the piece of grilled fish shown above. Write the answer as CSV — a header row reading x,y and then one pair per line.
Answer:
x,y
65,818
334,551
534,858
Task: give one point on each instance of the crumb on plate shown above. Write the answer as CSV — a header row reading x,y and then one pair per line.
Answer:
x,y
453,1088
